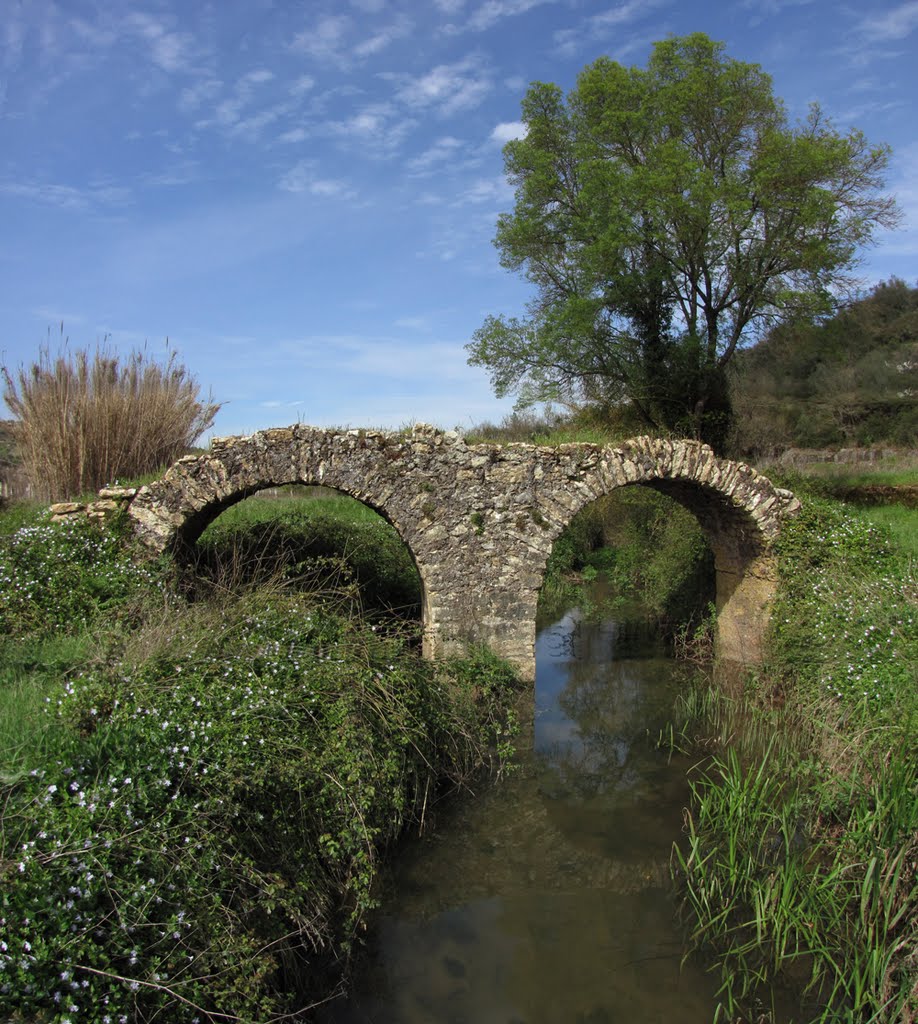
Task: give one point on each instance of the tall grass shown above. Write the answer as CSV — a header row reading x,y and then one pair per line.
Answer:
x,y
85,419
800,864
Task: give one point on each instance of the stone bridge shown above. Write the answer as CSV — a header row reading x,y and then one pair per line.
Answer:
x,y
480,520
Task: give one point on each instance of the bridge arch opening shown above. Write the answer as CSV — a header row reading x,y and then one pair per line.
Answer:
x,y
647,553
730,567
308,538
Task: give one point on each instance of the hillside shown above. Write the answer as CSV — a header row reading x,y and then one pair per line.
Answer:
x,y
849,380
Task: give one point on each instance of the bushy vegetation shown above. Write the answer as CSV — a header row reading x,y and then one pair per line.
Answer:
x,y
85,419
192,827
849,380
801,860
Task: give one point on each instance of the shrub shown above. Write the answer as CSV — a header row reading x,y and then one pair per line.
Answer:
x,y
86,419
193,828
204,838
60,576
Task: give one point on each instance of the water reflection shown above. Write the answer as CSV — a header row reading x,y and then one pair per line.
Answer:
x,y
545,899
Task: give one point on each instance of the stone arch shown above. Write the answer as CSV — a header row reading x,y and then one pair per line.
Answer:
x,y
737,508
171,513
480,520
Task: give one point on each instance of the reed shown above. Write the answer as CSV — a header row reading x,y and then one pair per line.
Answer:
x,y
85,419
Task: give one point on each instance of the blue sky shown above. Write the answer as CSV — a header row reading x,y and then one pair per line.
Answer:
x,y
301,196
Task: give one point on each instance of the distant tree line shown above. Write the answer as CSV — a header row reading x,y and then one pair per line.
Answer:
x,y
851,379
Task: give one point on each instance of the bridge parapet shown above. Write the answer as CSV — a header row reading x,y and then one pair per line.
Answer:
x,y
480,520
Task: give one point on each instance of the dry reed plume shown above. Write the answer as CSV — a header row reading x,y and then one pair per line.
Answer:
x,y
86,419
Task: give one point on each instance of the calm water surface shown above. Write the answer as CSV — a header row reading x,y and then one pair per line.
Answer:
x,y
545,899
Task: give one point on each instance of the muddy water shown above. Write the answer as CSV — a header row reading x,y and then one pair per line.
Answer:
x,y
545,899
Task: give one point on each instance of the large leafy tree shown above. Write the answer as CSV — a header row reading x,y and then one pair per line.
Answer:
x,y
666,215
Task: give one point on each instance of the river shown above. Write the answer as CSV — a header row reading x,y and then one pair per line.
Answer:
x,y
545,899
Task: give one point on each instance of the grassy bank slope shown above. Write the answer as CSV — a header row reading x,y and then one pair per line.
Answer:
x,y
801,861
198,794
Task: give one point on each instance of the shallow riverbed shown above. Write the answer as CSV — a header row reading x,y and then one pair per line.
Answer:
x,y
546,899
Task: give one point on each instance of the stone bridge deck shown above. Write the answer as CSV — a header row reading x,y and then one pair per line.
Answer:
x,y
480,520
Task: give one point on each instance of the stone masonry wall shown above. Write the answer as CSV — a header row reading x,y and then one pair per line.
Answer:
x,y
480,520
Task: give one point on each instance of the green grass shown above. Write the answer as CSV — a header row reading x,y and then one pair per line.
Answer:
x,y
901,524
18,514
194,798
802,838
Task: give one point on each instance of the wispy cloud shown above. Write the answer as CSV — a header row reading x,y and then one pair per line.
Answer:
x,y
447,88
324,39
443,150
67,197
170,51
303,177
192,97
762,9
893,24
599,26
380,129
493,11
486,190
250,107
383,38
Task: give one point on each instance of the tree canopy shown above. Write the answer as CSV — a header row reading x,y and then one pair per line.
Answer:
x,y
667,215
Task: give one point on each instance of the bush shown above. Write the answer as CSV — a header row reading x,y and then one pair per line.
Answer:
x,y
194,829
84,420
60,576
205,836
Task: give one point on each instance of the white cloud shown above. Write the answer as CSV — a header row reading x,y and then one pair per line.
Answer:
x,y
302,85
324,41
492,11
486,190
443,150
170,51
448,88
569,40
380,40
377,128
67,197
192,97
507,131
293,135
413,323
302,178
233,115
893,24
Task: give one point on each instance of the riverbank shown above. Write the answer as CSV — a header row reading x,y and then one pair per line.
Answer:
x,y
199,777
800,865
